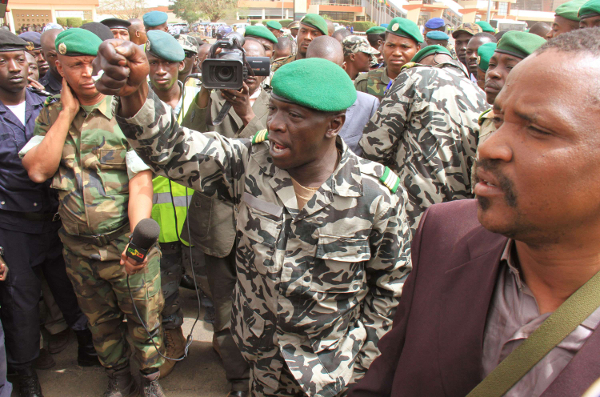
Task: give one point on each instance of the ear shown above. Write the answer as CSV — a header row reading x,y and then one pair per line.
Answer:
x,y
59,68
352,57
335,124
181,65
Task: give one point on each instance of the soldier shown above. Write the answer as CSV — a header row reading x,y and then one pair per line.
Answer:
x,y
166,59
322,251
428,140
376,38
471,52
79,145
28,230
565,18
358,55
275,28
294,27
341,34
461,36
589,15
188,44
35,49
541,29
52,80
118,27
99,30
263,36
434,25
137,32
402,41
484,53
486,27
284,48
156,20
311,26
437,38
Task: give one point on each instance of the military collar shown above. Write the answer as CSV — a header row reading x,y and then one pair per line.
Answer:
x,y
385,78
105,106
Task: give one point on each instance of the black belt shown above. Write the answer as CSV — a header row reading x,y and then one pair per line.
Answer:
x,y
101,240
34,216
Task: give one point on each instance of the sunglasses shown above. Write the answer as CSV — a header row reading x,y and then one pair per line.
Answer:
x,y
189,54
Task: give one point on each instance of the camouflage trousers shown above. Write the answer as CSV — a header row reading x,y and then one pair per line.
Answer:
x,y
100,283
171,271
272,377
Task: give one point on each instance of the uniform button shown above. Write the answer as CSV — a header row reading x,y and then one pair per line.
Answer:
x,y
35,204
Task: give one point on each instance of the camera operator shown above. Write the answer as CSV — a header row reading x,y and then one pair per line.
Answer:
x,y
217,239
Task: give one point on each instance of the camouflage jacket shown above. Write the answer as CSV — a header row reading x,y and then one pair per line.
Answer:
x,y
426,131
486,128
373,82
280,62
316,288
92,178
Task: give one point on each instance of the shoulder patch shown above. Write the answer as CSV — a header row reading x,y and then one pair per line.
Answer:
x,y
409,65
390,180
484,116
260,136
50,100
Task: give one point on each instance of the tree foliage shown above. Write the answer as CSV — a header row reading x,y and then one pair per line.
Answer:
x,y
124,9
192,10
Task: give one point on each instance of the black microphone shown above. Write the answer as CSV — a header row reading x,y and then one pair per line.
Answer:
x,y
143,238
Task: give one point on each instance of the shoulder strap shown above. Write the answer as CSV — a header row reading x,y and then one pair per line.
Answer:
x,y
260,136
558,326
390,179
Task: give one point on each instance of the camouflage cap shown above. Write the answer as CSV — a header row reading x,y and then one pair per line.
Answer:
x,y
294,25
519,44
187,43
590,9
484,54
302,81
471,28
353,44
77,42
570,9
405,28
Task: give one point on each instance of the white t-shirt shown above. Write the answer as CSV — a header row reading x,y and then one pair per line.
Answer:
x,y
19,111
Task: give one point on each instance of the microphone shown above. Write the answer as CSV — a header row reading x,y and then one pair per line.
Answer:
x,y
143,238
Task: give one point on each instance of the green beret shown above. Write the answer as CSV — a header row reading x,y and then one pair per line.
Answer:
x,y
260,31
405,28
519,44
590,9
486,27
155,18
302,81
315,21
484,54
161,44
274,25
430,50
570,9
77,42
375,30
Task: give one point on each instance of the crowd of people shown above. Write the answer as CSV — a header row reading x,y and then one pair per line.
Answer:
x,y
391,214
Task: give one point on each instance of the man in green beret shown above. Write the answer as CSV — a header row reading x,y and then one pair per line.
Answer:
x,y
322,239
402,41
311,26
484,54
566,18
275,28
486,27
589,14
462,35
156,20
78,144
263,36
427,139
376,38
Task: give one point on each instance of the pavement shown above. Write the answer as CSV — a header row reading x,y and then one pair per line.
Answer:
x,y
200,374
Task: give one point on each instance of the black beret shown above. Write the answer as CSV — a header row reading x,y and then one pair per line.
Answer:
x,y
11,42
99,30
116,23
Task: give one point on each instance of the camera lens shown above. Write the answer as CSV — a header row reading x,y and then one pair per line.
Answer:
x,y
224,73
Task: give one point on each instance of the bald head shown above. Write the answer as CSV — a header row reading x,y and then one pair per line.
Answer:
x,y
326,47
253,48
137,31
283,48
541,29
330,27
49,50
340,34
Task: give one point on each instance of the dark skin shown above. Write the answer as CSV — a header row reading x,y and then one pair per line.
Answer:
x,y
137,32
499,67
164,27
539,173
471,52
42,64
276,32
397,52
122,34
49,51
163,77
443,43
590,22
188,64
306,34
294,32
460,46
356,63
14,70
561,25
267,44
78,73
481,78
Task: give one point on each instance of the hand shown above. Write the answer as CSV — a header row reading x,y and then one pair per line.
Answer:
x,y
35,84
69,102
125,67
131,266
3,270
240,102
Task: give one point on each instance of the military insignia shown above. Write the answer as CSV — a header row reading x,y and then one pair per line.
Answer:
x,y
148,45
408,65
62,48
396,27
390,180
50,100
260,136
483,116
29,46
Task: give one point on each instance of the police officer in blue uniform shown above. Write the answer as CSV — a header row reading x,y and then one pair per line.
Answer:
x,y
28,229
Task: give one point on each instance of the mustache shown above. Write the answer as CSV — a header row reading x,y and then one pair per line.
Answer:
x,y
504,183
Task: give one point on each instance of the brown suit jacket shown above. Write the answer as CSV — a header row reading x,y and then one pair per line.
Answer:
x,y
436,345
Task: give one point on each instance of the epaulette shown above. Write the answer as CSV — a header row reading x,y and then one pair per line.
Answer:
x,y
260,136
390,179
50,100
482,116
408,65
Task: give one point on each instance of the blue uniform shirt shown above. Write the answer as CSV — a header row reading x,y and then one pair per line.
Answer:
x,y
17,191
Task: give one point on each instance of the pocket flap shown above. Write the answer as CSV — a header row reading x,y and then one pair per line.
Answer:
x,y
343,249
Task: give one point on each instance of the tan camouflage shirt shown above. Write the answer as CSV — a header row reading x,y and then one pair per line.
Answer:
x,y
426,131
279,62
373,82
317,287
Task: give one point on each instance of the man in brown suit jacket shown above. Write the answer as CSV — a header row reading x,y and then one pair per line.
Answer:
x,y
487,272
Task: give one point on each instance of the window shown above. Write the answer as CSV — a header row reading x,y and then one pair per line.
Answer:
x,y
502,8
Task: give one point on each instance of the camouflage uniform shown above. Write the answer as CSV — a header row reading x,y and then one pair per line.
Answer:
x,y
426,131
316,288
93,189
486,128
373,82
280,62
